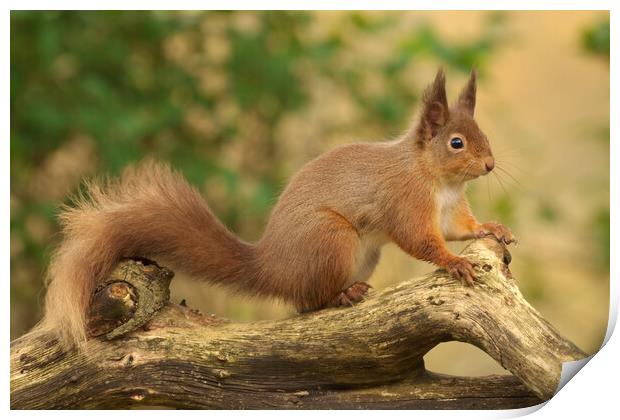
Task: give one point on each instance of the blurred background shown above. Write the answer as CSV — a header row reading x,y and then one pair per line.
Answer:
x,y
239,101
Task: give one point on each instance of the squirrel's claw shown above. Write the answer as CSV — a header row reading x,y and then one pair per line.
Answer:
x,y
500,232
463,269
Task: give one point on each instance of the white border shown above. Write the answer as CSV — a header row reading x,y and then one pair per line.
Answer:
x,y
594,393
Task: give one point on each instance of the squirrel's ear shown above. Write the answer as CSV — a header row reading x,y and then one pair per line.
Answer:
x,y
467,98
434,107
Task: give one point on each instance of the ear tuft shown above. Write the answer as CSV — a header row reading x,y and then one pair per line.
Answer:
x,y
467,98
434,107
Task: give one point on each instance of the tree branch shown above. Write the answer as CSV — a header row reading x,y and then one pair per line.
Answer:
x,y
366,356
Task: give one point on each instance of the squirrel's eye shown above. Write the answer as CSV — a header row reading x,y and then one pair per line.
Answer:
x,y
457,143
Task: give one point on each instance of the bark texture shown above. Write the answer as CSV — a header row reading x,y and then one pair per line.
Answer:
x,y
148,352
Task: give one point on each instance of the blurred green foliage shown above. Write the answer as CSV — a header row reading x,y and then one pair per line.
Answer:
x,y
595,39
548,212
602,236
106,74
504,208
128,80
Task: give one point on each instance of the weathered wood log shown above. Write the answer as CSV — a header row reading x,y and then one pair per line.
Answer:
x,y
114,308
366,356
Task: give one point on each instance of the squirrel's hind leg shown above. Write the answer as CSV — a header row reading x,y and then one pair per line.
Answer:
x,y
332,246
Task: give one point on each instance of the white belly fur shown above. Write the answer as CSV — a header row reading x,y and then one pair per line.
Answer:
x,y
447,199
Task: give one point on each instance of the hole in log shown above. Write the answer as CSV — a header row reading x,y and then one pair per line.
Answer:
x,y
507,257
461,359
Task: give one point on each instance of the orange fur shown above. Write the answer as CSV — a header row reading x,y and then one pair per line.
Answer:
x,y
324,234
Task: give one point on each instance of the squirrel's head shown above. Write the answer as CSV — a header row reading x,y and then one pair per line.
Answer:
x,y
449,136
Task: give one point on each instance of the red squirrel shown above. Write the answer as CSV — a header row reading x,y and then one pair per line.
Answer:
x,y
323,238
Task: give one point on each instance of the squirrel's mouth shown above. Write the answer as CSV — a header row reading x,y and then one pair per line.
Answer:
x,y
472,176
470,173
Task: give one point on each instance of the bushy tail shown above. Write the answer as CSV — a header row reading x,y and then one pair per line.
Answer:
x,y
150,211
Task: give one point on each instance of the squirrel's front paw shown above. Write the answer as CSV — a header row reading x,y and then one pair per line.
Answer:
x,y
462,269
501,232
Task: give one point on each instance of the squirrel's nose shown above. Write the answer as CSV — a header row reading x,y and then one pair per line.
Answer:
x,y
489,163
